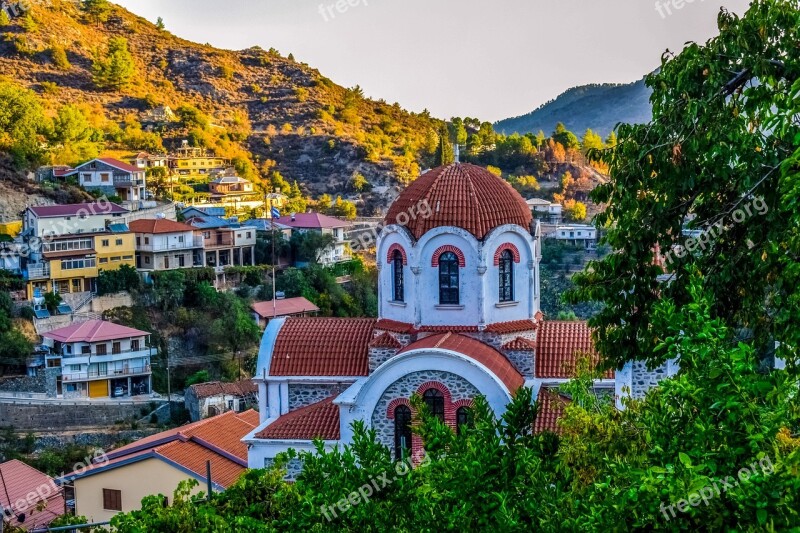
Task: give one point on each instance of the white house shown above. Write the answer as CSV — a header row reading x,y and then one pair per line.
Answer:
x,y
99,359
577,234
112,177
163,244
545,210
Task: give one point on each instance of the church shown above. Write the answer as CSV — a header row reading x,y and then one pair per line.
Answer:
x,y
459,317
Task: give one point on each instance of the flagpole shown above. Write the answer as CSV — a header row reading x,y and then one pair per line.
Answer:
x,y
272,221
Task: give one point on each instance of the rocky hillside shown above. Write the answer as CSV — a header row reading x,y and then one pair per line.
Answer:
x,y
599,107
282,115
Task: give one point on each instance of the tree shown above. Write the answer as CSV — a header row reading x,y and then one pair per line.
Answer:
x,y
59,56
116,69
169,287
308,246
22,122
359,183
158,181
720,115
611,140
591,141
324,203
444,151
565,138
160,24
344,209
235,330
97,10
52,300
575,211
4,20
191,117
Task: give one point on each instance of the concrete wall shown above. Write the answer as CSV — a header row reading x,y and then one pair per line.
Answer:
x,y
110,301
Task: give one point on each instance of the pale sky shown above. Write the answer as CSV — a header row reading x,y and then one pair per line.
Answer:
x,y
487,59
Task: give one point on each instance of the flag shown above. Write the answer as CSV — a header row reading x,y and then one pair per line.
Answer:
x,y
275,213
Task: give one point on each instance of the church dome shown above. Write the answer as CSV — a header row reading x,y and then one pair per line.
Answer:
x,y
462,195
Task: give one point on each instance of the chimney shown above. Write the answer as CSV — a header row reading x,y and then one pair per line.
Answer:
x,y
456,153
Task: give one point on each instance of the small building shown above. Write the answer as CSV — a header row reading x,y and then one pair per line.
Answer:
x,y
204,400
545,210
113,178
99,359
30,499
143,160
339,251
163,244
117,482
192,163
228,185
226,242
263,312
577,235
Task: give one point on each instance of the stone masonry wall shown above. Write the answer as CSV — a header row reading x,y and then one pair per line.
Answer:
x,y
378,356
24,383
522,361
643,379
293,468
405,387
301,395
32,416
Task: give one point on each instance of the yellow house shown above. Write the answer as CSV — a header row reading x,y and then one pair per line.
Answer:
x,y
154,465
192,163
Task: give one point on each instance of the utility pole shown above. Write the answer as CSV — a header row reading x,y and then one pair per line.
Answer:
x,y
169,391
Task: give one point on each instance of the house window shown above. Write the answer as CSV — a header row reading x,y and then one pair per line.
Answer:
x,y
138,241
448,279
402,432
119,242
397,262
116,348
506,276
112,500
181,260
230,405
147,259
101,349
180,238
103,260
434,399
462,419
105,178
85,350
105,242
147,240
74,368
135,345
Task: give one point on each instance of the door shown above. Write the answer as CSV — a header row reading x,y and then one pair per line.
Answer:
x,y
98,389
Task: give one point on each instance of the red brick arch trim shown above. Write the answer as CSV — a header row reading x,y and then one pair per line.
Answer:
x,y
394,404
503,247
462,403
448,248
390,253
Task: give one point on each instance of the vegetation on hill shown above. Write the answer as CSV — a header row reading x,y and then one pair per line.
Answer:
x,y
597,106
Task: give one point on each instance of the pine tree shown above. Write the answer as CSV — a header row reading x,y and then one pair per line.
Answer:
x,y
116,69
611,140
160,24
98,10
444,152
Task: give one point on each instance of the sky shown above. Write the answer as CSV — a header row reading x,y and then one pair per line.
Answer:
x,y
490,59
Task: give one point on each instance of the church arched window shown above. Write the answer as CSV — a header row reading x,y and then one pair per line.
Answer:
x,y
397,277
402,432
434,399
448,279
506,269
462,419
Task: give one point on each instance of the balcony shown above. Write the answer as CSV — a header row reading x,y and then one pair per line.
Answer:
x,y
190,244
97,374
107,357
126,181
38,271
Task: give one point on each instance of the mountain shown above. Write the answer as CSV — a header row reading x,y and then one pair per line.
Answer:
x,y
599,107
266,111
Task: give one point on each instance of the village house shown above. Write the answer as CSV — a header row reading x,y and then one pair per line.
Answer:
x,y
229,185
113,178
203,400
458,316
546,211
163,244
226,242
263,312
118,481
144,161
339,251
66,246
99,359
30,499
196,164
577,235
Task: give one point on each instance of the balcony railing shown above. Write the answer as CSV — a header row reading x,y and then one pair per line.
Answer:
x,y
38,271
190,244
126,182
146,350
96,374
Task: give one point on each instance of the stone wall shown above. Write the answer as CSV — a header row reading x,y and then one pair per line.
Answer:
x,y
523,361
26,415
103,440
301,395
405,387
378,356
643,379
111,301
293,468
35,384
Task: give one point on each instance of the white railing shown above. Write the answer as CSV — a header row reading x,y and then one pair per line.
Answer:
x,y
38,271
165,247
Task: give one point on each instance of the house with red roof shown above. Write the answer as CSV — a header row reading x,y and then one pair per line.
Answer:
x,y
263,312
113,178
303,222
163,244
458,317
99,359
214,397
117,481
30,499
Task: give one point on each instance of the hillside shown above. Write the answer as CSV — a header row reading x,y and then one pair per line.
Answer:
x,y
274,114
599,107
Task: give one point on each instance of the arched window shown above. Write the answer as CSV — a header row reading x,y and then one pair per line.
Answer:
x,y
448,279
397,274
462,419
402,432
434,399
506,268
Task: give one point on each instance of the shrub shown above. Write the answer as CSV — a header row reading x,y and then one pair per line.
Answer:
x,y
59,57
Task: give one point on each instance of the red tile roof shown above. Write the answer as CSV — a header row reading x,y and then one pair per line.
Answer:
x,y
445,329
551,406
461,195
515,326
394,326
385,340
17,480
93,331
118,164
217,439
475,349
312,221
559,345
322,347
214,388
318,420
519,344
157,226
284,307
71,210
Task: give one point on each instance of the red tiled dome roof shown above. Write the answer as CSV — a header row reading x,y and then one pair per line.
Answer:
x,y
462,195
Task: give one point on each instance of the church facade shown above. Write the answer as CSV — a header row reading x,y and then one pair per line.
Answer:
x,y
459,316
